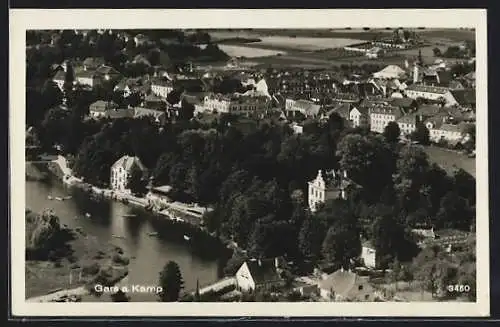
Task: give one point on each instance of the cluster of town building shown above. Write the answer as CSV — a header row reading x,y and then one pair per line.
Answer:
x,y
408,95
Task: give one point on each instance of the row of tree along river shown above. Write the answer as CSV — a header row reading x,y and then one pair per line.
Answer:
x,y
149,240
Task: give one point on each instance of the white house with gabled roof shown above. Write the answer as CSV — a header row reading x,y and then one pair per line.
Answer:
x,y
122,170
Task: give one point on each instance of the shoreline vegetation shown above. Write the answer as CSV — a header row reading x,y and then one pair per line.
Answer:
x,y
108,264
175,212
64,264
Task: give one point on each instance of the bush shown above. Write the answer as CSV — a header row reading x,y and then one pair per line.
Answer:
x,y
104,277
92,269
120,259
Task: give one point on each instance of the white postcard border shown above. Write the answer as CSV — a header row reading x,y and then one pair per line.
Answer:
x,y
24,19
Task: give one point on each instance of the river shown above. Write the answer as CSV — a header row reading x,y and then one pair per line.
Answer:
x,y
149,254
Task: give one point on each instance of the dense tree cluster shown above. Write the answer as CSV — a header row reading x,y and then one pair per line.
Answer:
x,y
447,275
255,174
46,238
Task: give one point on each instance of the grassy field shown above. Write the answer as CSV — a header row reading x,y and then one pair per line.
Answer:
x,y
315,48
248,52
451,160
448,34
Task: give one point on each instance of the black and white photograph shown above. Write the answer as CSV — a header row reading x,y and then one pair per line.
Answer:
x,y
222,161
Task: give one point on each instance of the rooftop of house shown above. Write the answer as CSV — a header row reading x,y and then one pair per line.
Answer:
x,y
386,109
365,110
137,84
453,128
127,163
426,233
94,62
263,271
153,98
471,76
60,76
85,74
342,282
427,89
101,105
120,113
103,69
408,119
143,112
465,97
161,81
164,189
367,244
428,110
342,109
140,58
306,105
403,102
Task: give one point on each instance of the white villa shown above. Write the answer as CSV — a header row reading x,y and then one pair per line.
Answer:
x,y
121,172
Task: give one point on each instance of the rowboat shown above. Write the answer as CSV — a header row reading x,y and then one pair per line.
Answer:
x,y
118,236
129,215
153,234
187,238
58,198
50,197
87,215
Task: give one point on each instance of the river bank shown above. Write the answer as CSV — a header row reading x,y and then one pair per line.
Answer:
x,y
60,260
148,237
176,212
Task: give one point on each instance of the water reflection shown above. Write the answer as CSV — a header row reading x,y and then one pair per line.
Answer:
x,y
133,228
149,252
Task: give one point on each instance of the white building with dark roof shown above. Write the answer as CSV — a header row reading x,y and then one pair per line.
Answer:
x,y
100,108
359,116
88,78
305,107
381,115
434,93
407,124
59,78
442,129
328,186
121,171
161,86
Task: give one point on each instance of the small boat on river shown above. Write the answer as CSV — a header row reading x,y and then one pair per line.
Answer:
x,y
58,198
118,236
129,215
87,215
153,234
50,197
187,238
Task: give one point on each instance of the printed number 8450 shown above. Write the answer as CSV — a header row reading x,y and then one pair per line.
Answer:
x,y
459,288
